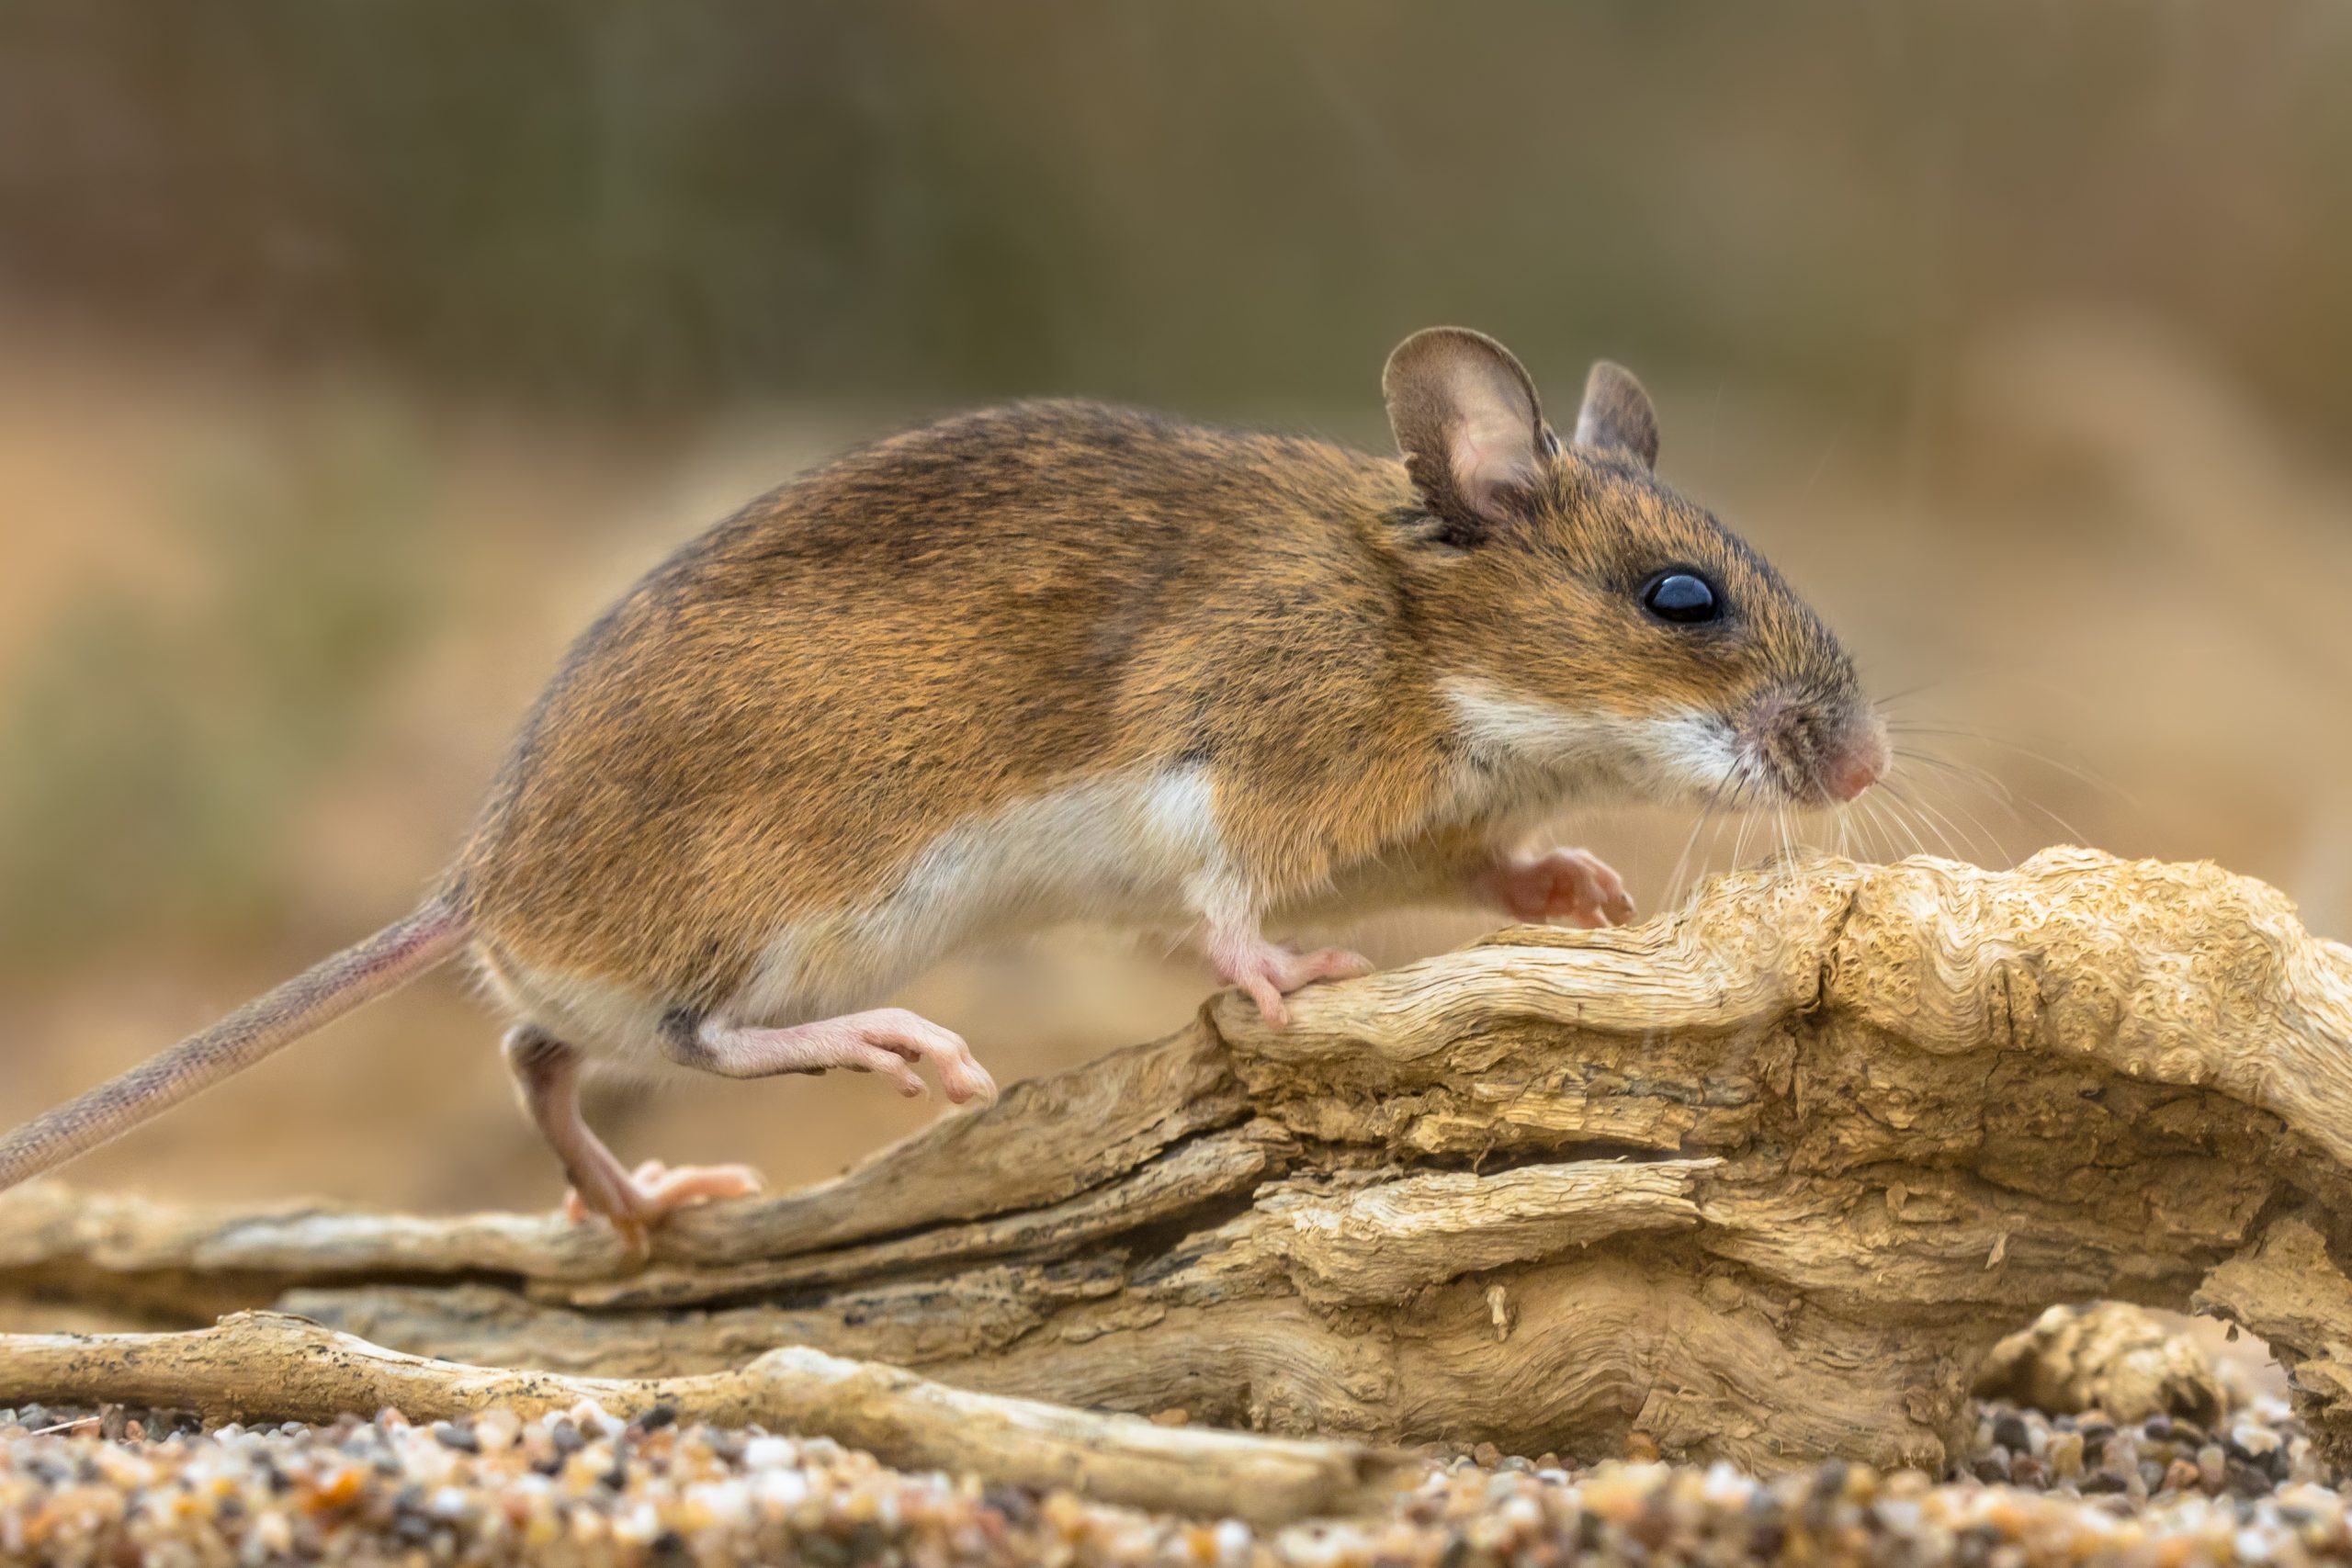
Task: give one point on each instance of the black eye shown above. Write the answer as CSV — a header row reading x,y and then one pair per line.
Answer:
x,y
1682,597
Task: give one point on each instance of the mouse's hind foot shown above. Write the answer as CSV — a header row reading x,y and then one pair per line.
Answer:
x,y
888,1041
634,1201
547,1074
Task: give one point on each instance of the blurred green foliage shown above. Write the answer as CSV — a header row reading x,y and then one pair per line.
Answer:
x,y
153,749
1235,203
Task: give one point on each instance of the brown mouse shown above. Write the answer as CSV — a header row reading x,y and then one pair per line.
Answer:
x,y
1061,663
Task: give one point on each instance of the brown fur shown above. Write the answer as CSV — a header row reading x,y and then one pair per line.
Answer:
x,y
776,721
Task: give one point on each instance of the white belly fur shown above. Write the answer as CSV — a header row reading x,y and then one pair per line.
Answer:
x,y
1139,851
1125,852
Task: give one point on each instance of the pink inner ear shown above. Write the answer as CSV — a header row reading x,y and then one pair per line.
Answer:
x,y
1488,456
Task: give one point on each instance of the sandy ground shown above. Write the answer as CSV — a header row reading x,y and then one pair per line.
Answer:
x,y
584,1488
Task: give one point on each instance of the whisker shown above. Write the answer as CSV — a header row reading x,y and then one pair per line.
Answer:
x,y
2021,676
2001,849
1971,829
1682,862
1879,845
1880,842
1883,813
1982,778
1943,839
1948,829
1994,785
1928,825
2078,772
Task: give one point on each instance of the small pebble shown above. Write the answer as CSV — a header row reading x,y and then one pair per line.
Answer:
x,y
2095,1437
2211,1467
2255,1441
2248,1481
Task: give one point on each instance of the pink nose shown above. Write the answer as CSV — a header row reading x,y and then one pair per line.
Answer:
x,y
1856,769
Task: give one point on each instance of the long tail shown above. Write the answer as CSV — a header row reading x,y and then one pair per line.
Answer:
x,y
318,995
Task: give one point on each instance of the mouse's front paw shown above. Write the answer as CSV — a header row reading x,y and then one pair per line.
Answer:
x,y
1573,885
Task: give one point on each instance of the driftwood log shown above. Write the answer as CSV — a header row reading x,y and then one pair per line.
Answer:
x,y
1763,1178
279,1367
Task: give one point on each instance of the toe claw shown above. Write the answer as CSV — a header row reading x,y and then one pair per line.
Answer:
x,y
966,1081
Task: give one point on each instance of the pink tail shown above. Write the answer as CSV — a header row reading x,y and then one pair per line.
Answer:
x,y
318,995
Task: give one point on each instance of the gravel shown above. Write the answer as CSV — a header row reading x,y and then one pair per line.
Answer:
x,y
122,1487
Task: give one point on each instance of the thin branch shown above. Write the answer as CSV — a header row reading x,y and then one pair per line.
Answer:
x,y
271,1366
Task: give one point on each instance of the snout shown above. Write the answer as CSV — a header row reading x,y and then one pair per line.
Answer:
x,y
1854,766
1820,749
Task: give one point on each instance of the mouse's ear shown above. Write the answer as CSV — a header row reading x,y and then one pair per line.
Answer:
x,y
1617,416
1467,421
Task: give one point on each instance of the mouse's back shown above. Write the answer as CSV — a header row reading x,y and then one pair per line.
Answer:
x,y
933,629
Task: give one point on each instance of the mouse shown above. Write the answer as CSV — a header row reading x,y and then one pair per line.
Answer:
x,y
1061,663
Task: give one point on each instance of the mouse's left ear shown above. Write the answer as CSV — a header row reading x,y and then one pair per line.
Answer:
x,y
1617,416
1467,421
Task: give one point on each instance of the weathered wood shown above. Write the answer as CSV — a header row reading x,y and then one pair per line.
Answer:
x,y
1764,1178
269,1364
2289,1286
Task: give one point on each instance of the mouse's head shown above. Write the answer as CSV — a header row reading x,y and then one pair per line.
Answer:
x,y
1593,625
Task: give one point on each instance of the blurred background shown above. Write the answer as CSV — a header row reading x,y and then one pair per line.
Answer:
x,y
352,357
